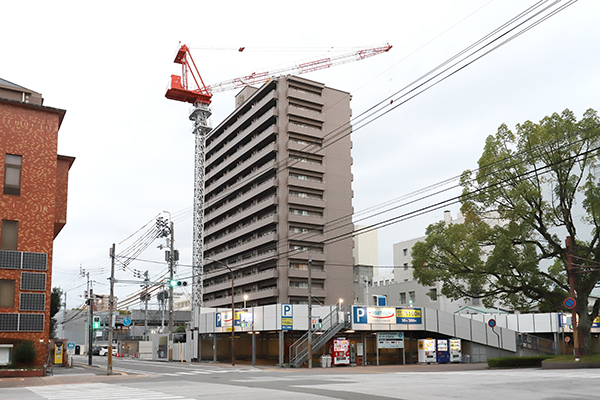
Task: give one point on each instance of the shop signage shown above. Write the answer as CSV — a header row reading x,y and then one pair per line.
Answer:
x,y
386,315
408,316
287,317
390,340
223,319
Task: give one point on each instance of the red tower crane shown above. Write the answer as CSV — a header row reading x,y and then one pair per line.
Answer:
x,y
200,96
181,90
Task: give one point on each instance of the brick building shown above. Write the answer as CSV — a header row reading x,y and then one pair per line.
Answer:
x,y
33,210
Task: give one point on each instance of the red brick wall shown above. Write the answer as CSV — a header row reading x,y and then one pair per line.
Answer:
x,y
32,132
62,185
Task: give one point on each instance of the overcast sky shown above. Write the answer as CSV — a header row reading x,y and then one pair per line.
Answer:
x,y
108,64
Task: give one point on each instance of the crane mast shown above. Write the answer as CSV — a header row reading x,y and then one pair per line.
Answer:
x,y
200,96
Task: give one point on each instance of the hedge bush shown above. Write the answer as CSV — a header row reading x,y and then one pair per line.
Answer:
x,y
512,362
24,353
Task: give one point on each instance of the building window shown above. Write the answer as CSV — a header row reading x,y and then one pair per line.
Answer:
x,y
7,293
9,235
406,266
411,298
12,174
403,298
433,294
302,285
405,252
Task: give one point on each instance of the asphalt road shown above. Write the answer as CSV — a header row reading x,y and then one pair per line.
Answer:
x,y
147,380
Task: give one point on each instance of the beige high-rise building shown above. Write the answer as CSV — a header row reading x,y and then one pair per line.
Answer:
x,y
278,197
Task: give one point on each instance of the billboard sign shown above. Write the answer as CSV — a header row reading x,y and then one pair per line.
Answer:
x,y
408,316
223,319
374,315
386,315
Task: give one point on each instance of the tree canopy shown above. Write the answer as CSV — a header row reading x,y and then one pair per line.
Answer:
x,y
535,186
55,305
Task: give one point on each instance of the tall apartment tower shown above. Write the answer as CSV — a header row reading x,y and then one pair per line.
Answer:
x,y
278,196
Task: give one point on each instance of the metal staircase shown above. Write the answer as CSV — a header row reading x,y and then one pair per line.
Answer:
x,y
299,350
537,344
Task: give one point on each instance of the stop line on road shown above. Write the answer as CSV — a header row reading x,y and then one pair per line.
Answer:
x,y
102,391
209,371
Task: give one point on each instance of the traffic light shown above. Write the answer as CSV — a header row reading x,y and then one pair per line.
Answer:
x,y
96,322
175,282
316,323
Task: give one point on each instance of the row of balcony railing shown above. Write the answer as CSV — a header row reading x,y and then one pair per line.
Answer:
x,y
242,132
242,210
266,183
232,167
238,227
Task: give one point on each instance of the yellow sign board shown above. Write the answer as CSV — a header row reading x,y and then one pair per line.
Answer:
x,y
408,312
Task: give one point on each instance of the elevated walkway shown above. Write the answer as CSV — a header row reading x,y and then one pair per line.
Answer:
x,y
374,319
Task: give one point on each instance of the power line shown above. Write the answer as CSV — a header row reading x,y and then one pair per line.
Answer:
x,y
379,110
370,116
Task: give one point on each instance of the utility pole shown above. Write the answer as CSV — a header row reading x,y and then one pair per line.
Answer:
x,y
90,302
171,268
146,297
111,303
310,354
162,308
571,274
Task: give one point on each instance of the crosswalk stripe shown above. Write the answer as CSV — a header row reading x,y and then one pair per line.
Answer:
x,y
101,391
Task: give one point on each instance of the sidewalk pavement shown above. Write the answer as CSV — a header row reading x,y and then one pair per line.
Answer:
x,y
84,373
64,376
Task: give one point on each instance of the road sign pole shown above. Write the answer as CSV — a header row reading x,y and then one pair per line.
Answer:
x,y
569,244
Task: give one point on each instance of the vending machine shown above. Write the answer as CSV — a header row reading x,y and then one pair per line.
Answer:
x,y
455,350
58,353
340,352
427,351
443,351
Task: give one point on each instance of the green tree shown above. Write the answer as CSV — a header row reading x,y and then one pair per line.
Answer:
x,y
55,304
538,183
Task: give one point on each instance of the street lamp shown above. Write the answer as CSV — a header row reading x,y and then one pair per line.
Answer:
x,y
232,306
